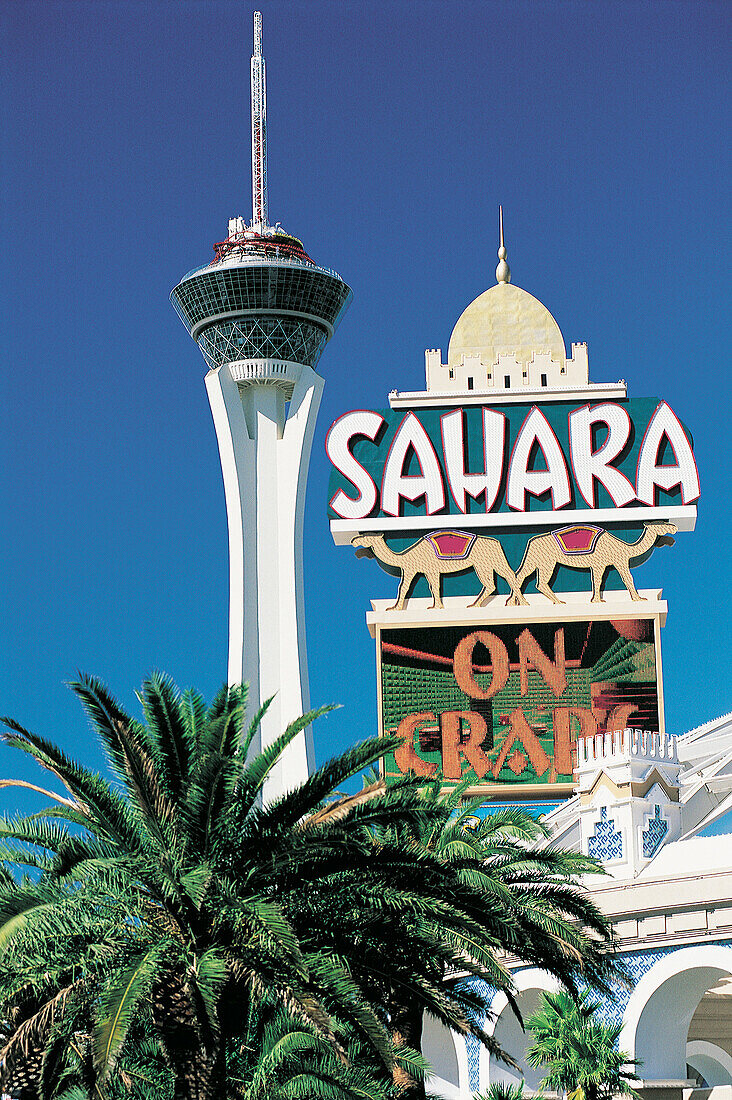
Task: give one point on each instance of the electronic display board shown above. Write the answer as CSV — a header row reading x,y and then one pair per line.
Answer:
x,y
502,704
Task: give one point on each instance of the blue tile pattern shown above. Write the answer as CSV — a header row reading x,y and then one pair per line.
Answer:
x,y
637,964
612,1006
654,833
473,1046
607,842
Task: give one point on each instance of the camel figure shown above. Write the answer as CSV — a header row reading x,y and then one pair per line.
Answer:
x,y
587,547
441,552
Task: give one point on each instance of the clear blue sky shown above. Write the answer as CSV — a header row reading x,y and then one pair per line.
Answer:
x,y
395,129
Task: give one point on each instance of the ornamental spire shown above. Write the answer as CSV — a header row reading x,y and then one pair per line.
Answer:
x,y
503,271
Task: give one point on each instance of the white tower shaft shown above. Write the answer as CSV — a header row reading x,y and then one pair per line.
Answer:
x,y
259,130
265,453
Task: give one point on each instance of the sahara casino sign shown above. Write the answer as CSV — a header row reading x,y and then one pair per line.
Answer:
x,y
502,704
422,469
512,507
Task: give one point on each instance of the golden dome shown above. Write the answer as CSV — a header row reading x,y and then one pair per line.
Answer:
x,y
505,319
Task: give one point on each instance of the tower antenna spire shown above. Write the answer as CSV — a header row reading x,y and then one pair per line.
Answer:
x,y
259,130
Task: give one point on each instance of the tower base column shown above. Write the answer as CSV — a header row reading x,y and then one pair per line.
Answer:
x,y
264,446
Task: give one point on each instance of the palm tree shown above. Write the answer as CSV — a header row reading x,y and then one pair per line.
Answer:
x,y
153,847
286,1060
580,1050
341,910
526,897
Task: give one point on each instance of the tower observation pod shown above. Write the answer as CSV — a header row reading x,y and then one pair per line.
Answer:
x,y
261,312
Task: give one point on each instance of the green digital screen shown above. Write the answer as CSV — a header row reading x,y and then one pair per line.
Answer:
x,y
504,704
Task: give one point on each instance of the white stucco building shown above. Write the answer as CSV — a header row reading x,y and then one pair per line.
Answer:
x,y
655,815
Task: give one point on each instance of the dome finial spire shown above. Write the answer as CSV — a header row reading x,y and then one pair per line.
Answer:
x,y
503,271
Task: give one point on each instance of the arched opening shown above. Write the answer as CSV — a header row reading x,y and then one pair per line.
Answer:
x,y
658,1020
440,1050
708,1064
530,985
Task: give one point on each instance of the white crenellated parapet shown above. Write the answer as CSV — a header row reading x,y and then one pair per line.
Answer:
x,y
644,744
481,373
628,787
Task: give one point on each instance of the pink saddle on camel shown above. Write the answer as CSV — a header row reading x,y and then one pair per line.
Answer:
x,y
451,545
580,539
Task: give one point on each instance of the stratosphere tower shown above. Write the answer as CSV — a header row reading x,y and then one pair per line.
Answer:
x,y
262,312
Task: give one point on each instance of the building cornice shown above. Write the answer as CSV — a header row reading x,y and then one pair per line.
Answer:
x,y
425,399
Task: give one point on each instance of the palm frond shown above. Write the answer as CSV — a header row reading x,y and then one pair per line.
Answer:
x,y
119,1006
134,751
193,710
333,976
209,972
222,731
307,797
166,721
97,804
255,773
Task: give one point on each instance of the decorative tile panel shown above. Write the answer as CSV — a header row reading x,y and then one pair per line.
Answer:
x,y
654,833
473,1045
473,1048
607,841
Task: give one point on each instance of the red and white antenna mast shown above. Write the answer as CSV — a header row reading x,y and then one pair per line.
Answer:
x,y
259,131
